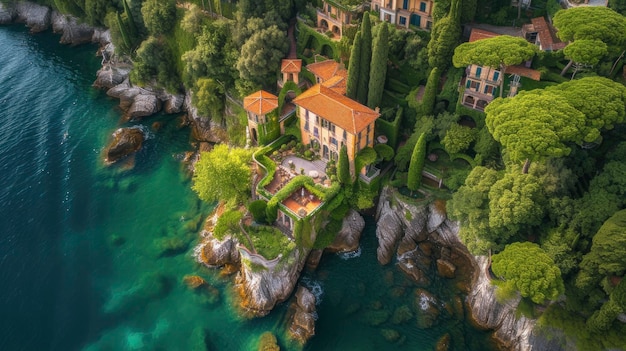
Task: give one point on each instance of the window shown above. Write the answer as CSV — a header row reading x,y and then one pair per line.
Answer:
x,y
345,135
467,83
423,6
403,21
478,71
316,132
333,141
496,75
330,8
317,120
405,4
325,123
306,124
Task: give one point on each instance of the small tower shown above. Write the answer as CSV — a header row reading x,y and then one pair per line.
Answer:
x,y
258,106
290,68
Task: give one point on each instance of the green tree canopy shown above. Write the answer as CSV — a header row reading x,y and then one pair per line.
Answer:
x,y
586,51
603,104
496,52
159,16
525,267
458,138
608,252
470,206
223,174
516,201
209,98
534,125
261,54
155,61
591,22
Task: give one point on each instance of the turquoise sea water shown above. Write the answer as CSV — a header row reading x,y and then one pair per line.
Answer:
x,y
82,264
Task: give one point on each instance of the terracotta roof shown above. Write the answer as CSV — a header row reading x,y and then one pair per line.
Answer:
x,y
336,108
325,69
524,72
478,34
546,34
291,66
260,103
337,83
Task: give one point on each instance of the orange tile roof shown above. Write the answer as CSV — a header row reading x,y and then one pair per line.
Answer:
x,y
524,72
260,103
336,108
337,83
546,34
291,66
478,34
325,69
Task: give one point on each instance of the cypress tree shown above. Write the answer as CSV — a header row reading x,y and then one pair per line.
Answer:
x,y
378,69
366,58
123,33
430,92
343,167
416,166
354,68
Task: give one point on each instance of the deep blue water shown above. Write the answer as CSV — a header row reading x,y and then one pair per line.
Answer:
x,y
81,265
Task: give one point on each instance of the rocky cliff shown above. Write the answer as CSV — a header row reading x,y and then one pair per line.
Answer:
x,y
407,233
261,283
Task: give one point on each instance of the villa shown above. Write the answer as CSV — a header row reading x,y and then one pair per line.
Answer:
x,y
330,120
406,13
334,17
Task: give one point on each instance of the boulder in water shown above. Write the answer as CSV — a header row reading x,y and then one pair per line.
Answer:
x,y
302,322
193,281
125,142
7,14
446,269
36,17
268,342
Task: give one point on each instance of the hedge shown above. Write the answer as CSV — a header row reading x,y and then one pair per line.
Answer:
x,y
390,129
305,33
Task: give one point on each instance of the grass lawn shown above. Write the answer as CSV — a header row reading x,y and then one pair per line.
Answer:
x,y
529,84
269,242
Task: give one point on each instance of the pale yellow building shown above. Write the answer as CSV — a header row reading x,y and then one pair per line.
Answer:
x,y
405,13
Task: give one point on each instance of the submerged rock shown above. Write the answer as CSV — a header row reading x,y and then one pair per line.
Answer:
x,y
391,335
193,281
170,246
125,142
444,343
426,305
446,269
268,342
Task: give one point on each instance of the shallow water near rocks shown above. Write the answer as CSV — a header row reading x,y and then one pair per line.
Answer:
x,y
93,258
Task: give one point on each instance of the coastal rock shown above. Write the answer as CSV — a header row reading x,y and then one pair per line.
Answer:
x,y
172,103
7,14
314,259
446,269
73,33
144,105
102,36
350,234
512,330
302,322
125,142
263,283
36,17
388,232
202,128
305,299
216,253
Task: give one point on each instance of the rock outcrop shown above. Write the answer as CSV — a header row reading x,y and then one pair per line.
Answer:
x,y
417,235
72,32
489,313
7,14
125,142
347,239
36,17
263,283
302,316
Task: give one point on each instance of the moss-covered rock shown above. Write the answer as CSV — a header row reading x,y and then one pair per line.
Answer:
x,y
268,342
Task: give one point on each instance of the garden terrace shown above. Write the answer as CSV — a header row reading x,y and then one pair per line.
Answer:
x,y
302,202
